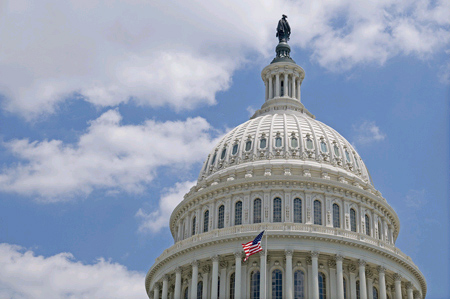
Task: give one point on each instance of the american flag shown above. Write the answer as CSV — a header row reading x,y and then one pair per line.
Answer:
x,y
253,247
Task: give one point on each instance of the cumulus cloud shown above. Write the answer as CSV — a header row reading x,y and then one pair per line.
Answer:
x,y
367,133
25,275
158,219
182,53
108,156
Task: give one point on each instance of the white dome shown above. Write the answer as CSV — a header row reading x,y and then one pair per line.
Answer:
x,y
288,137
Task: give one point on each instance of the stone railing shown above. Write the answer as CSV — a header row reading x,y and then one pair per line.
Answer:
x,y
276,229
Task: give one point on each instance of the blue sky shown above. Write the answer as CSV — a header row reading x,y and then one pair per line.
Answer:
x,y
108,109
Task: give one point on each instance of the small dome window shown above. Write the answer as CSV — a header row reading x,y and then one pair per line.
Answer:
x,y
224,151
235,148
278,142
323,147
213,159
336,151
248,145
263,143
294,142
309,143
347,156
356,161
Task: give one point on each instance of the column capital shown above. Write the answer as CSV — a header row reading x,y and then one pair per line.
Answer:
x,y
352,268
215,258
178,270
194,263
314,254
156,285
417,295
262,253
166,277
397,277
362,263
238,254
381,269
339,258
308,260
206,268
223,264
288,252
409,285
332,264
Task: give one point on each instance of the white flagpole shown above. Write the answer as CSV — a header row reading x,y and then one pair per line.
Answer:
x,y
265,270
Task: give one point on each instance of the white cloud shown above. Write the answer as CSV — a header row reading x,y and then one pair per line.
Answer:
x,y
182,53
107,156
25,275
367,132
156,220
415,199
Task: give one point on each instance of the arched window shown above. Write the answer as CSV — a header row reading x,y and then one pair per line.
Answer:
x,y
336,151
278,142
309,143
248,145
336,216
322,286
224,151
297,210
277,209
380,230
235,149
367,220
282,89
317,212
254,285
206,221
323,147
345,288
353,220
358,290
232,285
347,156
218,287
262,143
356,161
277,284
186,293
200,290
193,225
221,222
294,142
238,213
213,159
375,293
299,285
257,211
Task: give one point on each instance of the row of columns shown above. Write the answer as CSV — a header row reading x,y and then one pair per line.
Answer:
x,y
366,285
294,85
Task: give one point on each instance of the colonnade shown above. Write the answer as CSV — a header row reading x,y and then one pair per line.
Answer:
x,y
338,288
282,85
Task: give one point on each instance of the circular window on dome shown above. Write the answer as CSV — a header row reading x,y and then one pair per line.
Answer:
x,y
235,149
263,143
294,142
248,145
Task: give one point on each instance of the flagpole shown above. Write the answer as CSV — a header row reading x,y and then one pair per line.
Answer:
x,y
265,269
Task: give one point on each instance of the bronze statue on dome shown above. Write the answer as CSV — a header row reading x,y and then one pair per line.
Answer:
x,y
283,30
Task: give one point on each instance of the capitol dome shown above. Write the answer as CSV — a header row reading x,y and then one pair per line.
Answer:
x,y
328,232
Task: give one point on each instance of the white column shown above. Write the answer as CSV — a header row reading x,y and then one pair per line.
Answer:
x,y
398,286
339,277
266,82
238,275
270,87
382,282
332,290
194,279
315,274
223,280
277,85
289,278
205,282
156,291
293,86
352,281
262,276
298,90
286,85
177,283
165,287
309,273
369,285
215,276
409,290
362,279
